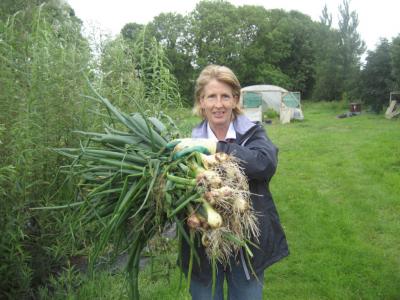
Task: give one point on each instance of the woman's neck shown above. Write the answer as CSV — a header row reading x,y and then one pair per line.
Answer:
x,y
220,131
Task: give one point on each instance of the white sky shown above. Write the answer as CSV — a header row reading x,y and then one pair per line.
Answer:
x,y
377,19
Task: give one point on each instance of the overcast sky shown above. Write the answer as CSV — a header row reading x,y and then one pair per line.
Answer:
x,y
377,18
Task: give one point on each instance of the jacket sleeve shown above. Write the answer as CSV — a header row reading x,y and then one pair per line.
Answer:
x,y
258,156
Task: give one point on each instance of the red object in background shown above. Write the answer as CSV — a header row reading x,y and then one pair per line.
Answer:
x,y
355,107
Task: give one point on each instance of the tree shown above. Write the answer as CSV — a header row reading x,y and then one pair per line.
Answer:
x,y
254,66
395,55
276,48
377,79
326,18
132,31
170,30
213,34
351,48
295,31
328,66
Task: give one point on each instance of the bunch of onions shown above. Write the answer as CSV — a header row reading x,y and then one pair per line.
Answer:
x,y
131,185
227,219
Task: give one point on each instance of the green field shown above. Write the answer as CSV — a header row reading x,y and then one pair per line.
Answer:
x,y
337,189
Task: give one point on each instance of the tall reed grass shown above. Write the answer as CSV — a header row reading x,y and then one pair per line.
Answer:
x,y
137,73
45,67
40,105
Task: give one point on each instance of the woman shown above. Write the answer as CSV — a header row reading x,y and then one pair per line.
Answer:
x,y
227,130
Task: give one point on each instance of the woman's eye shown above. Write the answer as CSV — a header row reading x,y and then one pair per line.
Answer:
x,y
213,98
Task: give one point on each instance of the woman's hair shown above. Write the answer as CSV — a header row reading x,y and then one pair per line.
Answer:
x,y
222,74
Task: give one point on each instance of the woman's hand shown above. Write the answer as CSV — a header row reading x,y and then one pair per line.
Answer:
x,y
186,146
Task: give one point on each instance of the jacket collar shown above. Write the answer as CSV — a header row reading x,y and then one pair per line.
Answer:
x,y
241,124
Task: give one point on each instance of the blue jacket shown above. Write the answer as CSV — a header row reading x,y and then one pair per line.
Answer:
x,y
259,160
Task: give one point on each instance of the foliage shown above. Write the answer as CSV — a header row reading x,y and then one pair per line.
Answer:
x,y
171,31
141,61
119,78
326,17
377,77
260,55
338,52
11,7
270,114
42,56
328,67
15,272
253,24
351,47
132,31
295,30
263,47
213,33
395,55
161,87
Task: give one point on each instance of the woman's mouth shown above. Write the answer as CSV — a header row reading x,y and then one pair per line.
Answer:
x,y
218,114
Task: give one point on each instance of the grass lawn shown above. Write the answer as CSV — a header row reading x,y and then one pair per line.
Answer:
x,y
338,192
337,189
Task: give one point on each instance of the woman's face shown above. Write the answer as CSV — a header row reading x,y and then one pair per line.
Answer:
x,y
217,101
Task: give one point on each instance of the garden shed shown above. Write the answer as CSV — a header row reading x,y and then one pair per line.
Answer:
x,y
257,99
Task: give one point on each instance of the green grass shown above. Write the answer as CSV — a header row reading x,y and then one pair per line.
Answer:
x,y
337,189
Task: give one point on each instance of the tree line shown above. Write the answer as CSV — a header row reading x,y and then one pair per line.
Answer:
x,y
278,47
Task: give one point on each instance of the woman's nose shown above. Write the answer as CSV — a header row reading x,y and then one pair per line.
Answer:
x,y
219,101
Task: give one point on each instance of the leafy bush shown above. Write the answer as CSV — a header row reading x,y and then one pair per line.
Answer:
x,y
270,114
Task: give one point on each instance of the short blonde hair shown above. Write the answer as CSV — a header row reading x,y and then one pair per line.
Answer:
x,y
222,74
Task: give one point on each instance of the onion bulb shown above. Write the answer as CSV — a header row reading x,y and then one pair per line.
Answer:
x,y
240,204
193,221
209,178
214,219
